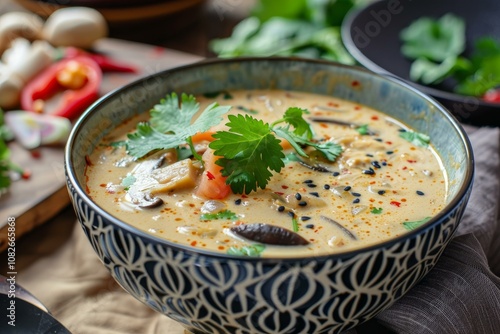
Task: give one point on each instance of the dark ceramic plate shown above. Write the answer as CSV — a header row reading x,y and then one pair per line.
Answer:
x,y
372,36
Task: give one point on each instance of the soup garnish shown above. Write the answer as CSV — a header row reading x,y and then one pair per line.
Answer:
x,y
286,174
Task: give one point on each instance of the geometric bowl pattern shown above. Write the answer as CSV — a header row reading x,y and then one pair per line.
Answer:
x,y
217,293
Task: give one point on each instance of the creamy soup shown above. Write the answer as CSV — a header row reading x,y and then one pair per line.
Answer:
x,y
382,185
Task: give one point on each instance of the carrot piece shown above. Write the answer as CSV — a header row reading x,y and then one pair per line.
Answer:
x,y
212,184
203,136
285,144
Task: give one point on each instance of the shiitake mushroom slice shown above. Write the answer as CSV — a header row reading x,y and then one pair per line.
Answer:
x,y
269,234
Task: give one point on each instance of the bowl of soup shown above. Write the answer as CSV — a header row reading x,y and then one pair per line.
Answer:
x,y
272,195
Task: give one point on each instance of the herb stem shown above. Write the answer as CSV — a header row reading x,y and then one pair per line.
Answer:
x,y
189,140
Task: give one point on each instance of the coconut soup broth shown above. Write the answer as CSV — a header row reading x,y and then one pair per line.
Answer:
x,y
375,190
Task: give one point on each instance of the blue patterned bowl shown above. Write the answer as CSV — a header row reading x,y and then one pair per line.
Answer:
x,y
217,293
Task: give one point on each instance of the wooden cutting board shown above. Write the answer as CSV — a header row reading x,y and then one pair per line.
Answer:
x,y
32,202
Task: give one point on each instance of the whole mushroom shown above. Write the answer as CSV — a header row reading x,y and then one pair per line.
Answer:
x,y
75,26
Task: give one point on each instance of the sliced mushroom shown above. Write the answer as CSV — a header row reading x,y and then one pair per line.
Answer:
x,y
180,175
341,227
144,200
213,206
202,232
269,234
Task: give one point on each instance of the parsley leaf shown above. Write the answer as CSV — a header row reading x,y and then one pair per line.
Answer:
x,y
414,224
172,124
250,152
416,138
251,250
225,214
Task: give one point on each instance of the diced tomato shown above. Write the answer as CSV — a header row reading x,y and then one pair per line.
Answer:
x,y
212,183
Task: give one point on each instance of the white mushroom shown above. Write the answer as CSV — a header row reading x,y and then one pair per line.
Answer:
x,y
75,26
21,63
19,24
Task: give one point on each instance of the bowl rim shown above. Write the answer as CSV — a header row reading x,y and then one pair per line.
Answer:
x,y
361,58
80,189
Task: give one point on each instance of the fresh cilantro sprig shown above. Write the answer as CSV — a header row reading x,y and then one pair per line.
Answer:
x,y
416,138
414,224
4,166
225,214
171,125
251,151
250,250
5,163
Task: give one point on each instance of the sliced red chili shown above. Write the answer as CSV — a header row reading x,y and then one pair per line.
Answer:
x,y
77,79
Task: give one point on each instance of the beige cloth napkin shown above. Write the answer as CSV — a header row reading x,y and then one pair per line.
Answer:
x,y
461,295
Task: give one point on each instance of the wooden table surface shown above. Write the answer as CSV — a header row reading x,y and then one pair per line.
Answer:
x,y
40,199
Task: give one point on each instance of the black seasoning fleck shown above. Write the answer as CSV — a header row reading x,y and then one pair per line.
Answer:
x,y
238,201
379,139
311,185
369,171
376,164
298,196
308,181
302,203
281,208
421,193
305,218
326,186
356,194
314,194
291,214
384,163
311,226
381,192
389,152
356,201
369,155
402,130
336,173
347,188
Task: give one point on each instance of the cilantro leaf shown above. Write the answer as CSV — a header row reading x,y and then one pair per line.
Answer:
x,y
434,39
363,129
172,124
329,150
4,166
251,250
414,224
416,138
170,115
428,72
485,71
294,117
225,214
377,211
250,152
147,139
128,180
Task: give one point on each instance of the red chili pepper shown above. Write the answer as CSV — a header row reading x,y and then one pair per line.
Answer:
x,y
106,63
78,79
395,203
493,95
210,175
